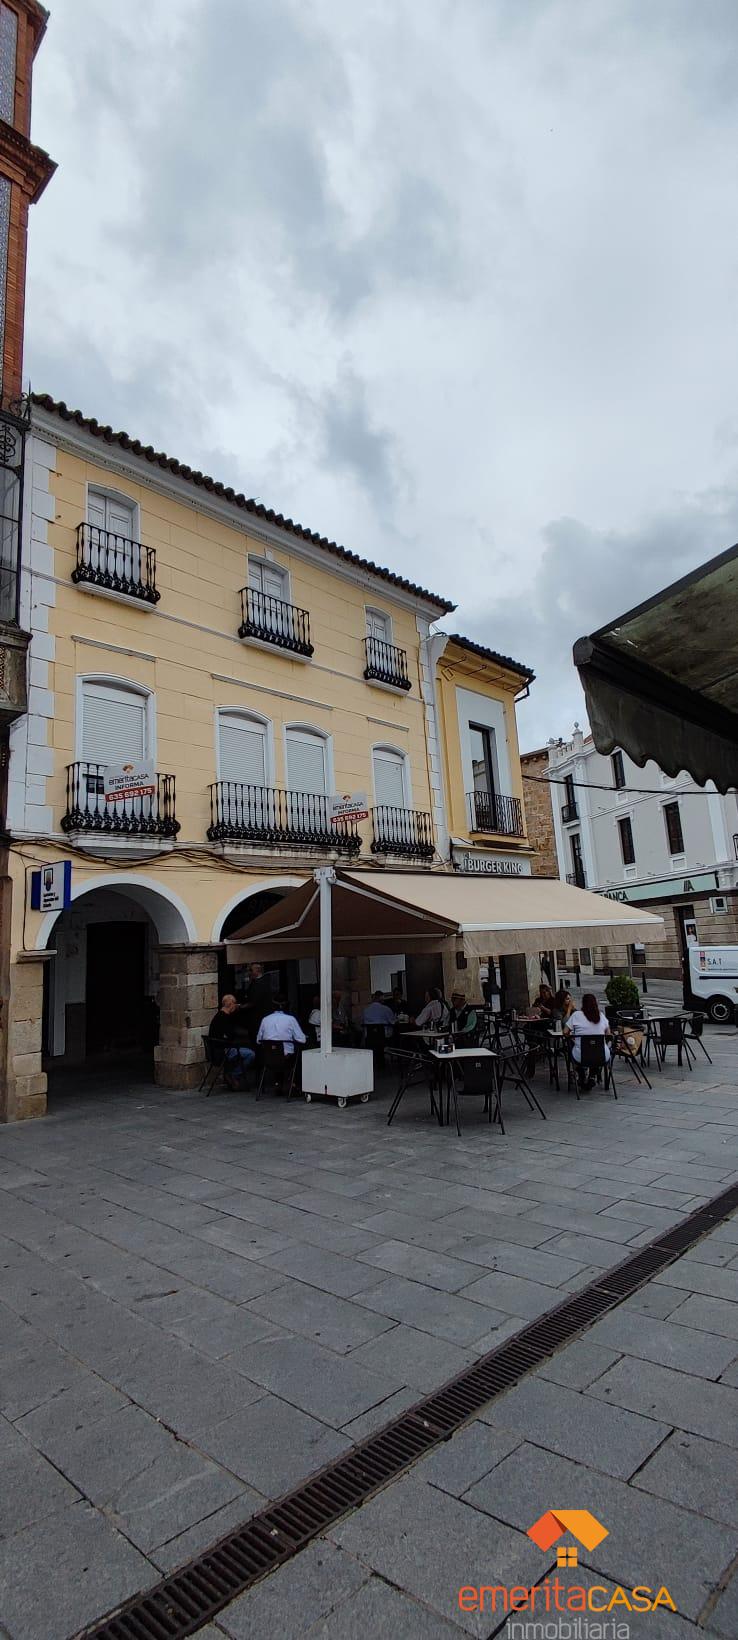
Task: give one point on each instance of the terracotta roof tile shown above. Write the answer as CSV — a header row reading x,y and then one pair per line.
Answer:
x,y
492,655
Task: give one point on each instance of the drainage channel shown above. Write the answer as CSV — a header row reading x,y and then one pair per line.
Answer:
x,y
190,1597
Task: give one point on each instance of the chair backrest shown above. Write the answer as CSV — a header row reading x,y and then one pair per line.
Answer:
x,y
629,1041
477,1075
671,1032
697,1024
593,1052
214,1049
273,1053
376,1036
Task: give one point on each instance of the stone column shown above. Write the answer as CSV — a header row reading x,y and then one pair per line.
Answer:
x,y
188,998
24,1092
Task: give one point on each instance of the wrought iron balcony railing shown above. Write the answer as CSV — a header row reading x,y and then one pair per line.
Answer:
x,y
402,831
272,621
386,664
569,812
490,811
261,814
116,564
87,809
577,877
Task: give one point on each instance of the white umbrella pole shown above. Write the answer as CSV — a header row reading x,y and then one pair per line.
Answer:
x,y
325,877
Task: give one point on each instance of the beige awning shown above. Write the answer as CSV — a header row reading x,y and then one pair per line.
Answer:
x,y
379,912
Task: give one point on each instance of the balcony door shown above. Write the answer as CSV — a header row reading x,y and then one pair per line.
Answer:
x,y
483,762
242,769
114,730
307,781
390,779
112,524
268,587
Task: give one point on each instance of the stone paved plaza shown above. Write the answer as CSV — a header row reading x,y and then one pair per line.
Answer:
x,y
204,1300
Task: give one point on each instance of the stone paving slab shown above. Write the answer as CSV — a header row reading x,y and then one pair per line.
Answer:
x,y
62,1572
680,1398
665,1343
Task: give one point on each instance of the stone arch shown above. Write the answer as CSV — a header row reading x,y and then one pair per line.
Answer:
x,y
172,919
276,885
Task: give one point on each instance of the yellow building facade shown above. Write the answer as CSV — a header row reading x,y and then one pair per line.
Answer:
x,y
242,671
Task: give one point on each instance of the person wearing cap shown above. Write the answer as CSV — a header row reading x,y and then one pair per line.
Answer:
x,y
464,1019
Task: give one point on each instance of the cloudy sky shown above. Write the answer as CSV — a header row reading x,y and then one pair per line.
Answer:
x,y
452,281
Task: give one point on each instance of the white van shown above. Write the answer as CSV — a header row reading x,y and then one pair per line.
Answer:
x,y
711,981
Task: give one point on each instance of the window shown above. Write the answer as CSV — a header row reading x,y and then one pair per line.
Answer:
x,y
390,783
107,512
673,822
307,769
378,625
113,524
618,771
627,846
575,842
269,587
114,729
242,749
482,742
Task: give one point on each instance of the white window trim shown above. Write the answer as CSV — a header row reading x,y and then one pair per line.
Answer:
x,y
250,717
273,564
320,734
398,752
489,712
134,688
374,609
111,494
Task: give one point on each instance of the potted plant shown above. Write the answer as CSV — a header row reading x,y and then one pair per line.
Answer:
x,y
623,996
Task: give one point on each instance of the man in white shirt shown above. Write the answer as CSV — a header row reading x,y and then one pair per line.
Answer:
x,y
280,1026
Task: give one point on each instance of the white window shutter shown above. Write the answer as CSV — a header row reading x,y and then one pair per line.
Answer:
x,y
96,509
378,626
389,779
242,751
113,725
267,578
106,513
306,763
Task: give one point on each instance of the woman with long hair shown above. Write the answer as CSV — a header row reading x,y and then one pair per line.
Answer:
x,y
586,1021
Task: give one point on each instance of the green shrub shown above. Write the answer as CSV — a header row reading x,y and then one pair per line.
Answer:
x,y
622,992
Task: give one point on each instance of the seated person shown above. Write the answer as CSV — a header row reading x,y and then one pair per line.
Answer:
x,y
586,1021
545,1002
434,1012
343,1029
314,1020
565,1004
230,1027
279,1026
463,1015
377,1012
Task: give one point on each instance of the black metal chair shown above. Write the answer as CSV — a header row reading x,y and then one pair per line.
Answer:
x,y
627,1044
595,1061
510,1063
672,1034
479,1079
215,1063
376,1039
694,1027
278,1069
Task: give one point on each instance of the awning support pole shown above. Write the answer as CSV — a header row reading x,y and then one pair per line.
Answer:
x,y
325,877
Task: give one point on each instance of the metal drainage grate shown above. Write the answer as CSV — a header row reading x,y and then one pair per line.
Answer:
x,y
190,1597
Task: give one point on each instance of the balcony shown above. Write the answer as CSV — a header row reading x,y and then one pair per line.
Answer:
x,y
386,664
735,844
408,832
261,814
142,817
577,877
569,812
489,811
115,566
268,620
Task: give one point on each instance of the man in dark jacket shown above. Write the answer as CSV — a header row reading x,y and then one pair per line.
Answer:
x,y
229,1027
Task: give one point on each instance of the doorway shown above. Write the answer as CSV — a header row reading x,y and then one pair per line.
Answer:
x,y
115,992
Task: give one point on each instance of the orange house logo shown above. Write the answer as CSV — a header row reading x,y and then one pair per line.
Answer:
x,y
550,1527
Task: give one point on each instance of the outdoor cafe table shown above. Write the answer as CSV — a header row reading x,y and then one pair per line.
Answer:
x,y
448,1060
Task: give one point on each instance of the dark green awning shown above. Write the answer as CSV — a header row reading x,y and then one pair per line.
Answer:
x,y
662,681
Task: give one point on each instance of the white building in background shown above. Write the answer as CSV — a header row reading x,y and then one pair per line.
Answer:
x,y
641,836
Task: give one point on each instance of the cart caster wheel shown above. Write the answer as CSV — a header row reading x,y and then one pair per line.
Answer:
x,y
342,1103
364,1098
308,1098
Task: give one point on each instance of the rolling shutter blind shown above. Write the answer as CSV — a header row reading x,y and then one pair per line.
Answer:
x,y
242,751
113,725
389,783
306,763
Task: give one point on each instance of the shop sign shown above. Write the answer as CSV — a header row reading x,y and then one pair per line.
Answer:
x,y
638,892
347,806
51,887
490,865
121,780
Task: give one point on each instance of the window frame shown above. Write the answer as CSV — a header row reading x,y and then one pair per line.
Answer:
x,y
393,754
618,771
489,741
130,686
666,809
266,727
260,562
317,733
624,825
122,499
384,615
